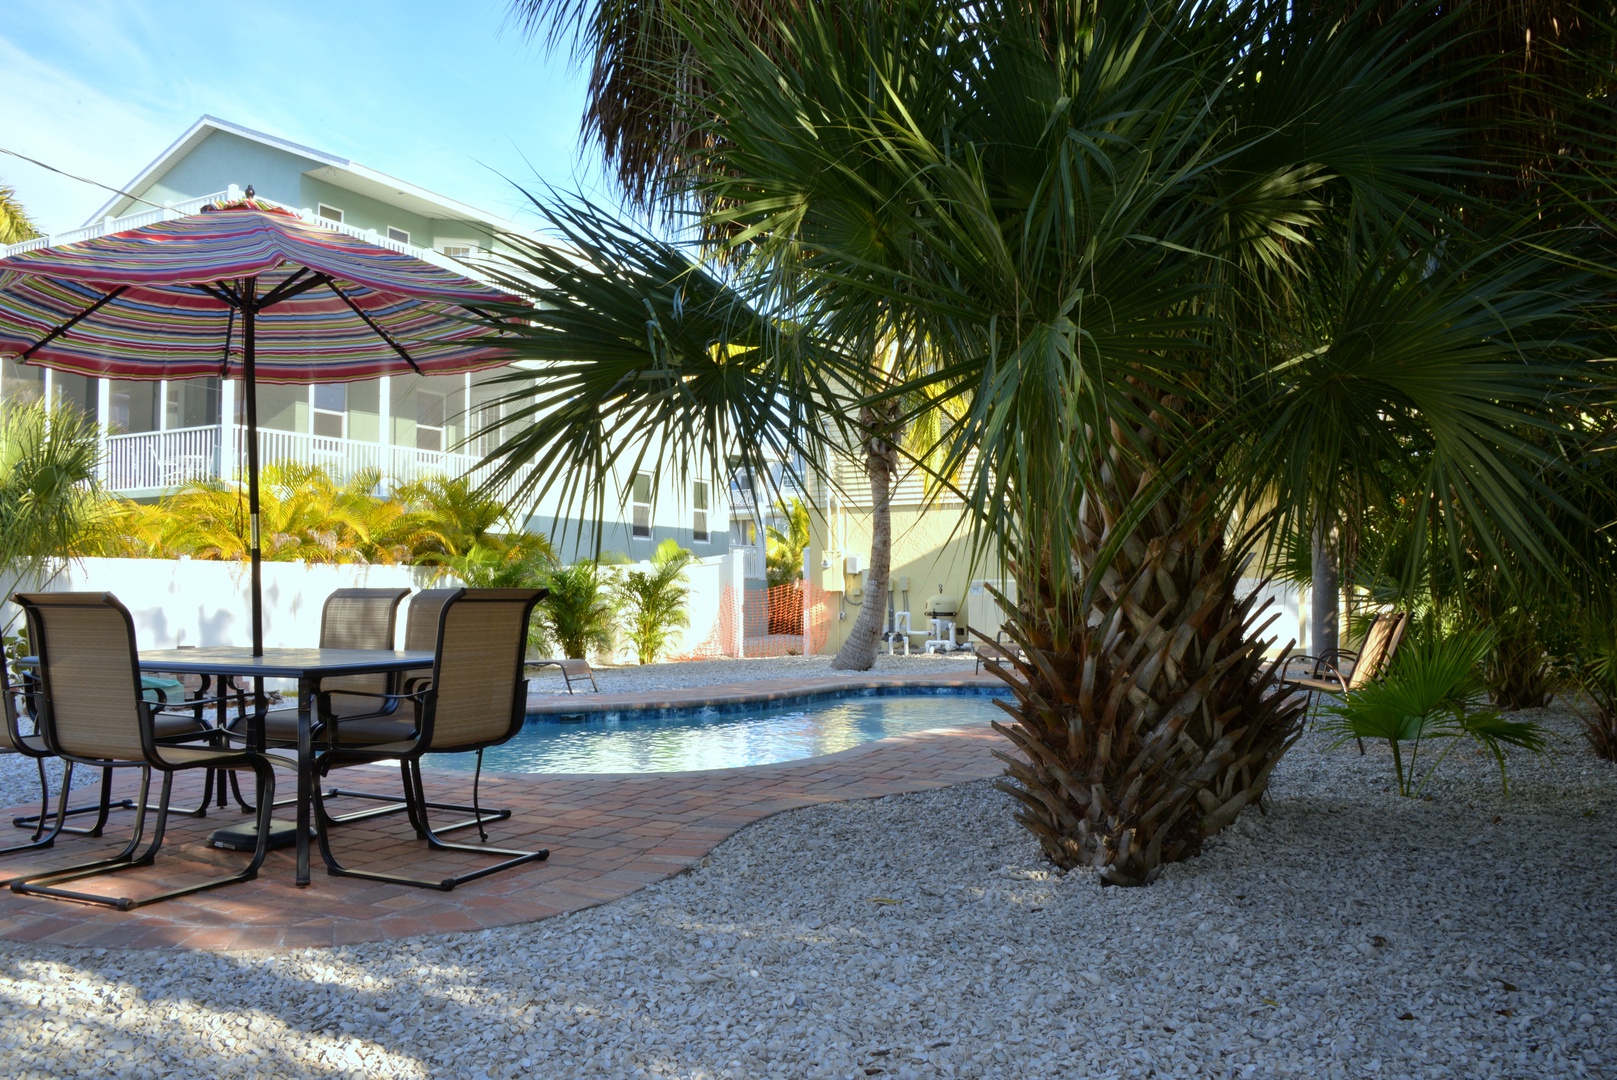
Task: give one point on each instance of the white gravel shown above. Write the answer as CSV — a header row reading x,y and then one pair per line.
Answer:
x,y
1347,933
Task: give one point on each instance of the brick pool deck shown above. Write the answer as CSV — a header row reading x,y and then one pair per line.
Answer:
x,y
608,836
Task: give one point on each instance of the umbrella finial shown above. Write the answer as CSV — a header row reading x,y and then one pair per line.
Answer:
x,y
250,192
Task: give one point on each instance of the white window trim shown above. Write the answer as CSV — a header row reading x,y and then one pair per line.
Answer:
x,y
391,229
317,411
321,208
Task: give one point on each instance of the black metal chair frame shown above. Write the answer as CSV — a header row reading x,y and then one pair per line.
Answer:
x,y
415,801
143,713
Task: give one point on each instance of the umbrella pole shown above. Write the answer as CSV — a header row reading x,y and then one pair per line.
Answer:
x,y
249,309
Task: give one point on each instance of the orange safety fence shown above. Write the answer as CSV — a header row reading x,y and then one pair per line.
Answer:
x,y
771,623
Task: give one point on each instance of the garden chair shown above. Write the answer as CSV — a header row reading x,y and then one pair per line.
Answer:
x,y
477,698
994,652
572,670
1363,667
92,711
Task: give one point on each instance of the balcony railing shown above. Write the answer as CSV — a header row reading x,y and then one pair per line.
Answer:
x,y
156,460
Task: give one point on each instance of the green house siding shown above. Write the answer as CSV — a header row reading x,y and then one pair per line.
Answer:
x,y
223,159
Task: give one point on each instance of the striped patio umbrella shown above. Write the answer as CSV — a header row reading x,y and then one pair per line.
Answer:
x,y
243,290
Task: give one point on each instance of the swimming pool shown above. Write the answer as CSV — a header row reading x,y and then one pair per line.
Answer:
x,y
713,739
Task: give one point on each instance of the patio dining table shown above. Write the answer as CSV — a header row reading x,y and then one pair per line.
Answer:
x,y
309,667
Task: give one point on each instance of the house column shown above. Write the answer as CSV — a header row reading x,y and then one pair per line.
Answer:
x,y
384,424
103,426
225,451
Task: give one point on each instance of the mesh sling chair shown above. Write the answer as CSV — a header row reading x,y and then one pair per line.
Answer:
x,y
350,619
1368,664
92,712
171,724
477,699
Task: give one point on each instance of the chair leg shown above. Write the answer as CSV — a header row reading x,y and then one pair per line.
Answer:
x,y
45,835
415,793
38,884
44,884
101,808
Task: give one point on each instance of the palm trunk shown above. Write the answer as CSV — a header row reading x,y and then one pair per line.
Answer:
x,y
1323,620
1149,719
858,652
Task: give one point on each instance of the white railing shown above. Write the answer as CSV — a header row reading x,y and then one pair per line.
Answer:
x,y
161,459
106,226
154,460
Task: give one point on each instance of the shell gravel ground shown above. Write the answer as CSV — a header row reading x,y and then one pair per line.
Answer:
x,y
1347,933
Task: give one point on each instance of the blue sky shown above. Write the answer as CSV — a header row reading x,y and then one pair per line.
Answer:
x,y
444,95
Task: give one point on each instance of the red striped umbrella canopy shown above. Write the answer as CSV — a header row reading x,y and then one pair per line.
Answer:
x,y
164,302
242,289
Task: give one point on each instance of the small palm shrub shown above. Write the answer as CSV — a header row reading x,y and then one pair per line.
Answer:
x,y
579,614
1596,675
1434,695
652,602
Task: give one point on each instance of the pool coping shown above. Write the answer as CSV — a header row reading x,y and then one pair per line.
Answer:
x,y
726,696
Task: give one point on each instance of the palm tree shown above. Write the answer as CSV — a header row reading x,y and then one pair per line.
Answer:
x,y
652,602
15,226
50,509
785,556
1192,273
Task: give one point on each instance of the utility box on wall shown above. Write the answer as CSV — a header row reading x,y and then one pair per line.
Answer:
x,y
831,576
983,612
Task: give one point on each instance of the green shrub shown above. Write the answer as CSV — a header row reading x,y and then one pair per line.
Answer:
x,y
578,615
1434,692
652,601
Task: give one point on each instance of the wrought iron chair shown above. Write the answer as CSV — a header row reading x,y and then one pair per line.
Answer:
x,y
1363,667
92,711
477,699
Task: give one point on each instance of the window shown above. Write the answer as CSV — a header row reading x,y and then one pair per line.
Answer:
x,y
192,403
642,505
401,235
429,420
133,406
328,404
457,249
330,213
699,517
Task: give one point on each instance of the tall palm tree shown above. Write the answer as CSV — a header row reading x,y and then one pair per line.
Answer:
x,y
1192,271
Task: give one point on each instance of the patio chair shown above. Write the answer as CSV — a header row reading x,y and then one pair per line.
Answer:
x,y
572,670
351,619
477,699
92,711
1363,667
993,652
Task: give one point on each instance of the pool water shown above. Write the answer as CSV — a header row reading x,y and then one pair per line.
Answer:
x,y
759,735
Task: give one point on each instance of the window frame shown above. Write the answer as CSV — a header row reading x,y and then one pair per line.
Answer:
x,y
391,229
316,411
701,507
636,505
325,210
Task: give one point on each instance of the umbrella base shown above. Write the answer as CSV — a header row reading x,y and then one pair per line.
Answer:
x,y
244,837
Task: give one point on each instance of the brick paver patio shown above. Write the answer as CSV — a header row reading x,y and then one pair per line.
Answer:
x,y
608,835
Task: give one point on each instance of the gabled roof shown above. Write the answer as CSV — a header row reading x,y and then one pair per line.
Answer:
x,y
337,171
